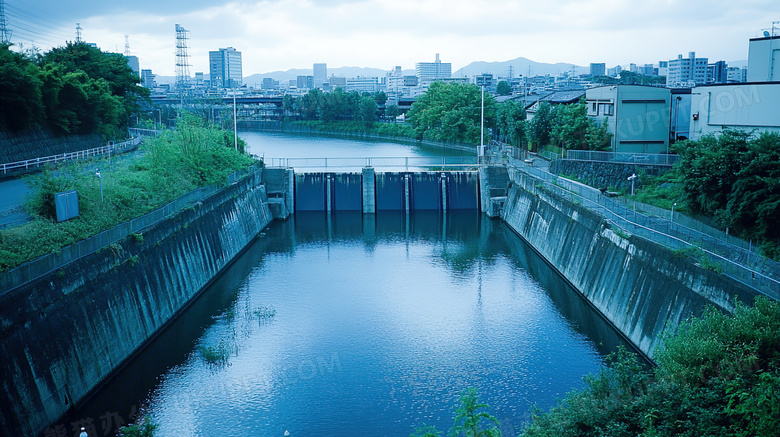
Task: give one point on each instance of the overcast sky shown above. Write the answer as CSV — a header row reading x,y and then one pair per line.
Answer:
x,y
283,34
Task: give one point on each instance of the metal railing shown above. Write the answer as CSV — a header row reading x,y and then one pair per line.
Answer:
x,y
108,149
400,163
134,131
48,263
654,229
621,157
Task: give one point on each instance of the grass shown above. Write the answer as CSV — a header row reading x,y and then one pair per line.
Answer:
x,y
171,165
662,191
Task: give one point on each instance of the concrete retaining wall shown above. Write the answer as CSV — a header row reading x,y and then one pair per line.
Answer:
x,y
604,174
63,334
37,144
640,287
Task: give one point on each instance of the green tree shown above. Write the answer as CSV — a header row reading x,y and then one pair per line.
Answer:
x,y
471,417
393,112
734,177
719,374
541,125
21,105
570,126
111,67
380,98
451,112
367,111
503,88
598,137
510,121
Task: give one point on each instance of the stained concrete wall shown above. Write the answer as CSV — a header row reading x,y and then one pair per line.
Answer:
x,y
63,334
38,143
642,288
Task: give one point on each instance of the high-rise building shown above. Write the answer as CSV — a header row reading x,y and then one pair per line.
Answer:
x,y
132,62
225,68
717,72
147,79
304,82
433,70
599,69
687,72
764,58
320,74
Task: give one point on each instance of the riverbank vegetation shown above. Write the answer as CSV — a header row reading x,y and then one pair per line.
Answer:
x,y
732,178
192,156
75,89
718,375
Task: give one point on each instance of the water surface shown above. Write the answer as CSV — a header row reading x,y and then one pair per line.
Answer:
x,y
380,321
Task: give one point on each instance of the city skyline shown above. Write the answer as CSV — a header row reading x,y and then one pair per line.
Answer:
x,y
277,35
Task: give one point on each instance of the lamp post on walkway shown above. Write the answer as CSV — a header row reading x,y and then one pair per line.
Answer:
x,y
632,178
100,178
673,205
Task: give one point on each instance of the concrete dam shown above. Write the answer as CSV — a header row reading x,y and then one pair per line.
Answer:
x,y
104,307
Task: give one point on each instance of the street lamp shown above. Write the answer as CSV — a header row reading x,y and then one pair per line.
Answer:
x,y
100,178
632,178
673,205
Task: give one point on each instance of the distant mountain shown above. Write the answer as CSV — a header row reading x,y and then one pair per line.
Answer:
x,y
520,66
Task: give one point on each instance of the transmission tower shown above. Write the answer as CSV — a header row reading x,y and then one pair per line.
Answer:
x,y
78,32
5,33
182,58
127,45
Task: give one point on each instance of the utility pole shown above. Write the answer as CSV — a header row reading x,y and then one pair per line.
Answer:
x,y
482,126
5,34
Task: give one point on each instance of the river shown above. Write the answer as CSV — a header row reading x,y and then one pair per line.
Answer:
x,y
363,326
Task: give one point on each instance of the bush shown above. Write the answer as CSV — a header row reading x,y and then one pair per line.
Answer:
x,y
717,375
193,156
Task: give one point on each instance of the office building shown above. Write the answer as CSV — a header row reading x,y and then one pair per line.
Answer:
x,y
433,70
132,62
225,68
717,72
687,72
598,69
304,82
320,75
147,79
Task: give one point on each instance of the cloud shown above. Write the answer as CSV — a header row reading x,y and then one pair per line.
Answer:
x,y
283,34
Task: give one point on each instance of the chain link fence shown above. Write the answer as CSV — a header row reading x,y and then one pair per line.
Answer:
x,y
48,263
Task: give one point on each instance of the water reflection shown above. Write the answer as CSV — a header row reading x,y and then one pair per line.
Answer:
x,y
380,322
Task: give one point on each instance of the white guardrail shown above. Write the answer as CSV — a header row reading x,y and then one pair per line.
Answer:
x,y
108,149
406,163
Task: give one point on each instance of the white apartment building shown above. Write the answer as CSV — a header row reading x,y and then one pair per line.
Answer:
x,y
687,72
434,70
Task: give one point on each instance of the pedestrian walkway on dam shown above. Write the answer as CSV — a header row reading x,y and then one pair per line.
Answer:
x,y
744,265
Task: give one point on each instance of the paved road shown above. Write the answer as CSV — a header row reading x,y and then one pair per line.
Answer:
x,y
12,194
